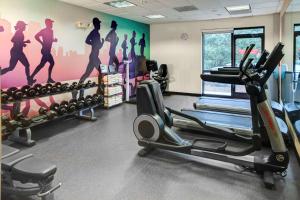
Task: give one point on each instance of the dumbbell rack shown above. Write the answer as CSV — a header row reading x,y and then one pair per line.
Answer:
x,y
22,135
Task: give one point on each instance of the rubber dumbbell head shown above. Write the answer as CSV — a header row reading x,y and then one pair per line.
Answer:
x,y
80,104
93,84
58,85
17,94
72,107
54,107
87,84
47,114
63,109
4,97
25,122
38,87
48,86
32,92
11,90
73,86
79,86
64,87
44,90
88,100
25,88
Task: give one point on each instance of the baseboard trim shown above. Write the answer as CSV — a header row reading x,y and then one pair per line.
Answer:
x,y
183,93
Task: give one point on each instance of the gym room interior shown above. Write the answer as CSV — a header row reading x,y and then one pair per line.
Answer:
x,y
150,99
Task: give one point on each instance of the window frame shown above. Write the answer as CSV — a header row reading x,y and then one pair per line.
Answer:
x,y
295,33
206,71
233,39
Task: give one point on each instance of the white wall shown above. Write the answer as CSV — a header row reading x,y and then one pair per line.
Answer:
x,y
183,57
288,37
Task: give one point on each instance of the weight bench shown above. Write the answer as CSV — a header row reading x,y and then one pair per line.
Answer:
x,y
25,175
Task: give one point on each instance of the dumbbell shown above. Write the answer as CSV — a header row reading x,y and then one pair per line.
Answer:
x,y
10,125
93,84
87,84
39,89
43,90
58,86
79,86
87,100
50,114
59,109
5,97
44,114
97,99
64,87
55,88
15,93
71,107
73,86
29,91
24,121
79,103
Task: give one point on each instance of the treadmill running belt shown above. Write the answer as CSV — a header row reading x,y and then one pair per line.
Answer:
x,y
242,103
225,119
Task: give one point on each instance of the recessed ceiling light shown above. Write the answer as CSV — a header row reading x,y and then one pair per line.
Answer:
x,y
238,8
120,4
242,9
155,16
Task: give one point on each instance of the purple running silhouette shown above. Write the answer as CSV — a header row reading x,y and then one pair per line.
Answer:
x,y
113,39
142,43
16,52
125,47
45,38
133,43
94,40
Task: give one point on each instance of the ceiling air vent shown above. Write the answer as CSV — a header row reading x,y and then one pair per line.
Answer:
x,y
186,8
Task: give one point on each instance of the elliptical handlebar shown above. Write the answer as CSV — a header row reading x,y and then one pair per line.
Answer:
x,y
246,54
267,69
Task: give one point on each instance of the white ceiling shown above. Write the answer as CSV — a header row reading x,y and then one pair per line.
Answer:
x,y
208,9
294,6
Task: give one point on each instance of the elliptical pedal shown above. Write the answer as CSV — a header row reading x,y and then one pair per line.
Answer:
x,y
209,145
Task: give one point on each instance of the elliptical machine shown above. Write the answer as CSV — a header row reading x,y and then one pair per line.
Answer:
x,y
153,126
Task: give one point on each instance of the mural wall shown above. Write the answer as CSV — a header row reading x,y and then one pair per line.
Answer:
x,y
40,41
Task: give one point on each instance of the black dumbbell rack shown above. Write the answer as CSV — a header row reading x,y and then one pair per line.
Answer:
x,y
22,135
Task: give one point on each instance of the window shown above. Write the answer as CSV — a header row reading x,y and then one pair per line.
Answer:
x,y
226,49
216,53
296,67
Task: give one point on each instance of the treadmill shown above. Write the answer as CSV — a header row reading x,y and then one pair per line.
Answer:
x,y
242,125
235,106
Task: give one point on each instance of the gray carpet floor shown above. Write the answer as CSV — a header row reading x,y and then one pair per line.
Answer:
x,y
98,161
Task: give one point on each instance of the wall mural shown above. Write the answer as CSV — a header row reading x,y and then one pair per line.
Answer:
x,y
43,49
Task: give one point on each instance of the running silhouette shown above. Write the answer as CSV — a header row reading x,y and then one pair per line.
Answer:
x,y
125,47
113,39
16,52
45,38
133,43
94,40
142,43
